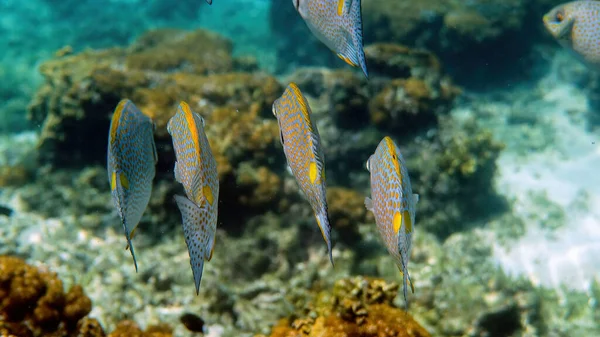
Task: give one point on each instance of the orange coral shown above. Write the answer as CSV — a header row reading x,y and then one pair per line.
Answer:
x,y
33,303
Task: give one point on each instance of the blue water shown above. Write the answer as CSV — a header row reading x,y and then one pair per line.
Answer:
x,y
526,210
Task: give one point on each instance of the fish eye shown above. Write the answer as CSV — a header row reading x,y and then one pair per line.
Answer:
x,y
560,16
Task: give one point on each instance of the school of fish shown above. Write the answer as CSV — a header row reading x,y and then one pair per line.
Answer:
x,y
132,156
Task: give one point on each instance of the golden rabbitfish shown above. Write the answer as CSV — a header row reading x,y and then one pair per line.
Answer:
x,y
196,170
338,24
302,148
130,163
576,26
392,203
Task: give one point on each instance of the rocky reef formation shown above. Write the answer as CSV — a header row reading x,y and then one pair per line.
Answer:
x,y
33,303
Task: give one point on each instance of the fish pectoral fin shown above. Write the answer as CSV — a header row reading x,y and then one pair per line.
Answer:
x,y
199,235
415,198
369,204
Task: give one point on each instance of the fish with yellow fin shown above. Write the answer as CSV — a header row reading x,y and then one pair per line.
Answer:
x,y
131,161
196,170
338,24
302,147
393,204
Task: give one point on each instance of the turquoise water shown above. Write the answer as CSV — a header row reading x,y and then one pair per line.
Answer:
x,y
497,123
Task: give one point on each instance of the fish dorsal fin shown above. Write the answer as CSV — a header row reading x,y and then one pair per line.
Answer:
x,y
199,235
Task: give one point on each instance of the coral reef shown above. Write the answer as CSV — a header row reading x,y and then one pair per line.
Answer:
x,y
356,307
35,300
33,303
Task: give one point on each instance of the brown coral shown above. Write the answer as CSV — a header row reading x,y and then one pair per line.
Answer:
x,y
346,212
36,298
33,304
357,307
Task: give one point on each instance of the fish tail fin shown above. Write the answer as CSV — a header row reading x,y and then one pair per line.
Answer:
x,y
357,39
130,247
325,227
406,281
118,187
199,237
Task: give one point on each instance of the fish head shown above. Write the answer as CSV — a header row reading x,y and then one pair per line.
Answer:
x,y
559,21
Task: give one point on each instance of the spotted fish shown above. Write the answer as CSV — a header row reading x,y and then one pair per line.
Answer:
x,y
302,147
576,26
130,163
338,24
393,204
196,170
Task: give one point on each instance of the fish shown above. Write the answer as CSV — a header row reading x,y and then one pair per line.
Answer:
x,y
131,161
393,203
209,2
338,25
193,323
576,27
302,148
196,170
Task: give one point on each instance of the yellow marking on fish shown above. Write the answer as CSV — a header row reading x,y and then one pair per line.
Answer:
x,y
347,60
207,192
113,181
302,102
392,151
124,181
116,119
189,118
312,172
407,222
397,222
340,8
212,249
